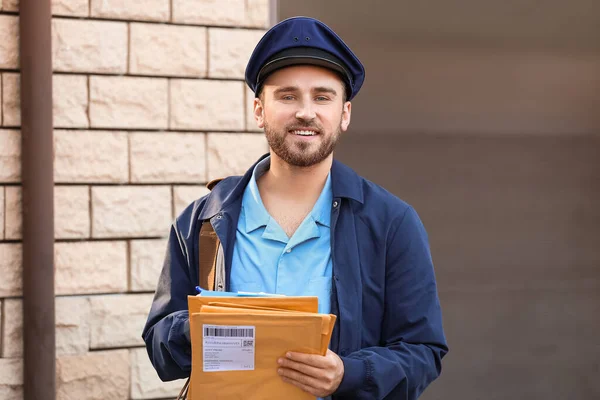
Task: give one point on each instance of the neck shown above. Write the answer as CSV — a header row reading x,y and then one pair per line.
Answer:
x,y
290,181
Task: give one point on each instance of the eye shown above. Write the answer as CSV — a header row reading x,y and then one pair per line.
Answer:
x,y
287,97
321,98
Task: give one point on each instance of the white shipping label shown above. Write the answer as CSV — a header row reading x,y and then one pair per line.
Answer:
x,y
228,348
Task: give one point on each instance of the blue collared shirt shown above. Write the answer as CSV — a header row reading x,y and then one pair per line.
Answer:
x,y
266,260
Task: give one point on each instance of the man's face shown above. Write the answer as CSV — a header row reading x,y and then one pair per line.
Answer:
x,y
303,113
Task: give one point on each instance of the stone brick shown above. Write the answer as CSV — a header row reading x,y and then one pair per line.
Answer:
x,y
91,156
101,375
89,46
257,13
139,10
1,213
250,121
208,105
132,211
75,8
126,102
9,45
145,383
10,269
11,99
70,100
10,155
118,320
11,379
168,157
12,332
210,12
183,196
72,326
9,5
230,50
13,219
71,212
233,154
167,50
146,259
90,267
70,97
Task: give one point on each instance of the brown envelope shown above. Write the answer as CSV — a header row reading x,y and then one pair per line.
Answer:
x,y
295,303
275,333
225,308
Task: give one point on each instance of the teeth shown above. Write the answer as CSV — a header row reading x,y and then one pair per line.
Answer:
x,y
304,133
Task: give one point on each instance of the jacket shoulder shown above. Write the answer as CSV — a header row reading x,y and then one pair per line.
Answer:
x,y
381,201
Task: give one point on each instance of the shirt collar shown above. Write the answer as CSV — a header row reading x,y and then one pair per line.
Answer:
x,y
255,213
227,195
254,210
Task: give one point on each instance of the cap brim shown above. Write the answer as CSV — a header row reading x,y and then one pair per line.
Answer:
x,y
303,56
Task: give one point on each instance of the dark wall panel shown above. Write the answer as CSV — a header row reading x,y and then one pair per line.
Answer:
x,y
514,226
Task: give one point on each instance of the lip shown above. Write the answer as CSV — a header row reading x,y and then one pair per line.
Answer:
x,y
292,132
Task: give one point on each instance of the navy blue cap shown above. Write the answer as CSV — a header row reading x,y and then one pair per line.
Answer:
x,y
303,40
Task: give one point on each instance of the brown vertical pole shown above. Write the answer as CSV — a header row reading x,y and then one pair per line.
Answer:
x,y
38,200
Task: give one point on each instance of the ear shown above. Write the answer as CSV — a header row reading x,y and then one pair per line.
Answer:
x,y
259,114
346,112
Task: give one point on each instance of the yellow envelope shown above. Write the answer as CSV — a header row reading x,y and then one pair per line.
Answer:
x,y
250,342
295,303
226,308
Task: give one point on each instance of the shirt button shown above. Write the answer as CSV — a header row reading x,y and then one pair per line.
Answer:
x,y
335,204
288,251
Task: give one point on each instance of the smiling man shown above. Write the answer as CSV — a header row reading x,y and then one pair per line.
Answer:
x,y
300,223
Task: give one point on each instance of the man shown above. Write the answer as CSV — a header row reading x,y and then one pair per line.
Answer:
x,y
300,223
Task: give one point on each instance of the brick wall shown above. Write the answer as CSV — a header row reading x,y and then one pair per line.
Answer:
x,y
149,105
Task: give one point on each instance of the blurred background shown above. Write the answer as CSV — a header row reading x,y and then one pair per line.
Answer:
x,y
483,115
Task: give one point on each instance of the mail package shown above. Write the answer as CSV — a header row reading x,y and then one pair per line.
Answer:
x,y
236,344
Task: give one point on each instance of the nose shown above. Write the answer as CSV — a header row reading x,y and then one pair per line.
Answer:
x,y
305,112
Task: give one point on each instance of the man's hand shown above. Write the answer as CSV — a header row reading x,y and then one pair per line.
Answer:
x,y
317,375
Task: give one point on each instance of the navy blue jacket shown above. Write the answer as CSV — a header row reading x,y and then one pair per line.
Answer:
x,y
389,329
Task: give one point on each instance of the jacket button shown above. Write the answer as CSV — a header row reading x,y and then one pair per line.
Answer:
x,y
335,204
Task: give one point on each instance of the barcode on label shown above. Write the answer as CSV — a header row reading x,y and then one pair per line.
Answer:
x,y
228,332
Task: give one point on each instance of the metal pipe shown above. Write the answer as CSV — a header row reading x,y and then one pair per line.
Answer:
x,y
38,200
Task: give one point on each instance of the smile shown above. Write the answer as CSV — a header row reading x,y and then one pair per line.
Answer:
x,y
304,133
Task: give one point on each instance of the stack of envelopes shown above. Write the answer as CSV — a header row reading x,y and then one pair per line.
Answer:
x,y
236,342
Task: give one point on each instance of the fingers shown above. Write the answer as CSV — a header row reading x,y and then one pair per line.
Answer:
x,y
303,368
315,374
315,360
306,388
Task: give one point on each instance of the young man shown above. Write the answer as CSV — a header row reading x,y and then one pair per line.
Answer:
x,y
300,223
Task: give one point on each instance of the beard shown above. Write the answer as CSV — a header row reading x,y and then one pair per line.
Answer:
x,y
298,153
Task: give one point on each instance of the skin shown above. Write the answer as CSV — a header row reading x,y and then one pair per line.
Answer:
x,y
301,97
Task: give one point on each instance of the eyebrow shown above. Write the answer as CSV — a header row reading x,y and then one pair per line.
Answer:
x,y
286,89
318,89
325,89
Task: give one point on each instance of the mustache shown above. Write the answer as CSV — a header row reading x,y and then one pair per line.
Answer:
x,y
300,127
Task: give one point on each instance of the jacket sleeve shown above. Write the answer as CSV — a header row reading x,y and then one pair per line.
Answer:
x,y
164,333
412,339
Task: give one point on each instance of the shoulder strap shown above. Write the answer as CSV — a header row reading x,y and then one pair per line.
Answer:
x,y
207,250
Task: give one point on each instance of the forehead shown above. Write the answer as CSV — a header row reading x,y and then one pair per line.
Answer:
x,y
304,77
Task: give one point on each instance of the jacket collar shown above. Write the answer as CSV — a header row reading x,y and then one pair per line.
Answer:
x,y
345,183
